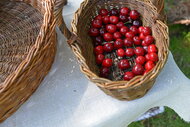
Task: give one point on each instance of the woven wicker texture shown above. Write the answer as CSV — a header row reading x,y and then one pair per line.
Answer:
x,y
27,50
82,46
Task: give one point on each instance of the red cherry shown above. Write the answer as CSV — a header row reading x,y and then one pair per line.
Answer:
x,y
146,71
147,56
140,29
124,11
149,65
98,50
148,40
108,47
99,58
106,19
104,72
128,76
99,17
108,37
129,35
124,64
119,25
123,18
118,44
137,40
140,60
107,63
117,35
97,23
128,42
124,30
111,28
121,52
93,32
134,29
114,12
139,51
153,57
134,14
102,31
103,12
141,36
138,69
129,52
152,48
146,31
114,19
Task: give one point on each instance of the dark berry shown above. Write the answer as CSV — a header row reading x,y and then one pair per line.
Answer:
x,y
103,12
128,42
124,64
123,18
129,52
107,63
98,40
108,37
128,76
114,12
138,69
137,23
102,31
104,72
139,51
108,47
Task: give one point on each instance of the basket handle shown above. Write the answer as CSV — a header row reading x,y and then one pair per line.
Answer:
x,y
158,3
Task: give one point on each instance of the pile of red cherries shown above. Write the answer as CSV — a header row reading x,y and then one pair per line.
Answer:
x,y
120,31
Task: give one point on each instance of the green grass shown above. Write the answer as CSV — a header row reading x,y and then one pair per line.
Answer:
x,y
180,48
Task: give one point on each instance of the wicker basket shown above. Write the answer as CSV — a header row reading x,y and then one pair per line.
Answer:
x,y
27,50
82,47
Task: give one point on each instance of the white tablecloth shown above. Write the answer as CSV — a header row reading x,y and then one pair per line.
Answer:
x,y
67,99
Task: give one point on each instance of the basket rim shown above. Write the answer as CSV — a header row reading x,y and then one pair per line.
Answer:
x,y
106,83
47,17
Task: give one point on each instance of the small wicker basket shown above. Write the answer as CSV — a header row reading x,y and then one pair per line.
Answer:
x,y
82,46
27,50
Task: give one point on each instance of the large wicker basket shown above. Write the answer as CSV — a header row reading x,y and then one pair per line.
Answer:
x,y
28,41
82,47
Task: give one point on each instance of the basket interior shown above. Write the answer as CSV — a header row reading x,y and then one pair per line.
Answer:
x,y
20,24
81,25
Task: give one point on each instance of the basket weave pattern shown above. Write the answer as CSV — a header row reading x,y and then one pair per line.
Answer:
x,y
82,46
27,50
